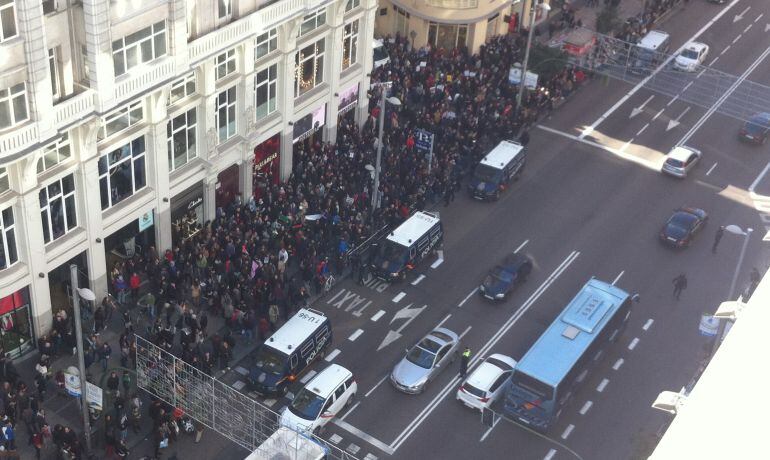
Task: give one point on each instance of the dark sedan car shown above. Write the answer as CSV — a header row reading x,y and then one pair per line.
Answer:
x,y
501,279
682,226
756,129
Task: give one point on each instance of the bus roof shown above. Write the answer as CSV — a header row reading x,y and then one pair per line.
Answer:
x,y
413,228
502,154
566,339
296,330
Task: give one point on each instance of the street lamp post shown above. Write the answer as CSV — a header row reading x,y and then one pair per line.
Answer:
x,y
546,7
86,294
383,99
735,230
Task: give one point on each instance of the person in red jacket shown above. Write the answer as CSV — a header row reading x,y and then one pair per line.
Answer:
x,y
134,282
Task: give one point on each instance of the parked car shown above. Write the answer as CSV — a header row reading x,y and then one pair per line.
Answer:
x,y
487,382
513,270
424,361
682,226
756,129
680,160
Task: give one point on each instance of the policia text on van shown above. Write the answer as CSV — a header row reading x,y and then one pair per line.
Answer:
x,y
496,169
290,351
407,245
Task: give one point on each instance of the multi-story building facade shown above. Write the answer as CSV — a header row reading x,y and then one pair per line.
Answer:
x,y
453,23
125,124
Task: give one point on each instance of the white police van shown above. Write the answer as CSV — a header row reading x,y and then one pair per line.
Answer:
x,y
496,169
290,351
399,252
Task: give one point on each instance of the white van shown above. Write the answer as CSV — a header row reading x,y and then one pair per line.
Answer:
x,y
286,444
650,51
320,400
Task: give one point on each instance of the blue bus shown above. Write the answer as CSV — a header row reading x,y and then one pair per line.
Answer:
x,y
545,378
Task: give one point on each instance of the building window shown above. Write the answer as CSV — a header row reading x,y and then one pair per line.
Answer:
x,y
225,63
447,36
8,253
492,26
309,68
266,44
53,70
224,9
225,113
55,153
266,91
49,6
121,119
13,105
122,173
181,139
7,20
352,4
350,44
182,88
313,21
5,184
58,211
401,22
142,46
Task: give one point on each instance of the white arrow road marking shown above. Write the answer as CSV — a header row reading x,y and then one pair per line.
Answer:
x,y
637,110
406,312
675,122
738,17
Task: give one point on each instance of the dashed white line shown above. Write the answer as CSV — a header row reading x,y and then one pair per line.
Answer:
x,y
713,61
550,454
617,278
747,28
759,17
269,402
332,355
335,438
585,407
521,246
355,335
378,315
602,385
375,386
687,85
735,40
465,331
677,96
725,50
398,297
239,384
365,436
486,433
417,281
443,321
642,130
306,378
567,432
711,169
633,343
468,297
618,363
648,324
658,114
350,411
701,72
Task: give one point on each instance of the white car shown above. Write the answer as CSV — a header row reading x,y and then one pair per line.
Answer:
x,y
691,57
487,382
320,400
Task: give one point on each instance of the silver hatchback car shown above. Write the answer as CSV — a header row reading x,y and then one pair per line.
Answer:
x,y
680,160
425,361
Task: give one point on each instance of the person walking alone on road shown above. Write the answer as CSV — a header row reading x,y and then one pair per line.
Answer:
x,y
680,284
464,360
717,238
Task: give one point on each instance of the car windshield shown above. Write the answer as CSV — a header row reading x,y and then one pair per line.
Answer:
x,y
486,173
755,125
421,357
269,361
307,404
502,365
392,252
683,219
501,274
674,162
474,391
690,54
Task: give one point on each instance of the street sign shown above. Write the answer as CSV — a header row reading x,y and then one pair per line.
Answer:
x,y
514,77
709,326
94,394
423,140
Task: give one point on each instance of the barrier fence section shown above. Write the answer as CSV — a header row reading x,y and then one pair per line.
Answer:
x,y
211,402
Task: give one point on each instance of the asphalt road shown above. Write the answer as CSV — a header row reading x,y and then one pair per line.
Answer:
x,y
590,203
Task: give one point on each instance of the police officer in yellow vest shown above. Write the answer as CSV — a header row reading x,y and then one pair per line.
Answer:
x,y
464,360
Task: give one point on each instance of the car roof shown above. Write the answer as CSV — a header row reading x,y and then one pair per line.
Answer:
x,y
653,39
328,380
297,329
514,260
695,46
763,117
413,228
483,376
502,154
680,152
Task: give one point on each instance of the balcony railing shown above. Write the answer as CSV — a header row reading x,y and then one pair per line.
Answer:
x,y
74,108
18,138
144,78
453,4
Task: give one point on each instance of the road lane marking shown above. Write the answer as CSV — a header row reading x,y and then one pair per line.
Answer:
x,y
423,415
633,343
618,363
648,324
335,438
677,96
398,297
585,407
378,315
465,331
550,454
711,169
520,246
747,28
700,74
355,406
375,386
417,281
239,384
269,402
658,114
619,153
438,261
713,61
568,431
735,39
726,48
305,378
443,321
740,15
642,130
637,110
687,85
365,436
468,296
355,335
332,355
626,144
602,385
353,448
759,17
662,66
617,278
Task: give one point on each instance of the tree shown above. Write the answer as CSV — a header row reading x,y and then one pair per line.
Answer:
x,y
607,20
546,61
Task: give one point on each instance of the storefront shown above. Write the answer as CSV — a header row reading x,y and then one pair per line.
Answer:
x,y
60,281
227,187
348,101
186,214
16,335
266,165
308,126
